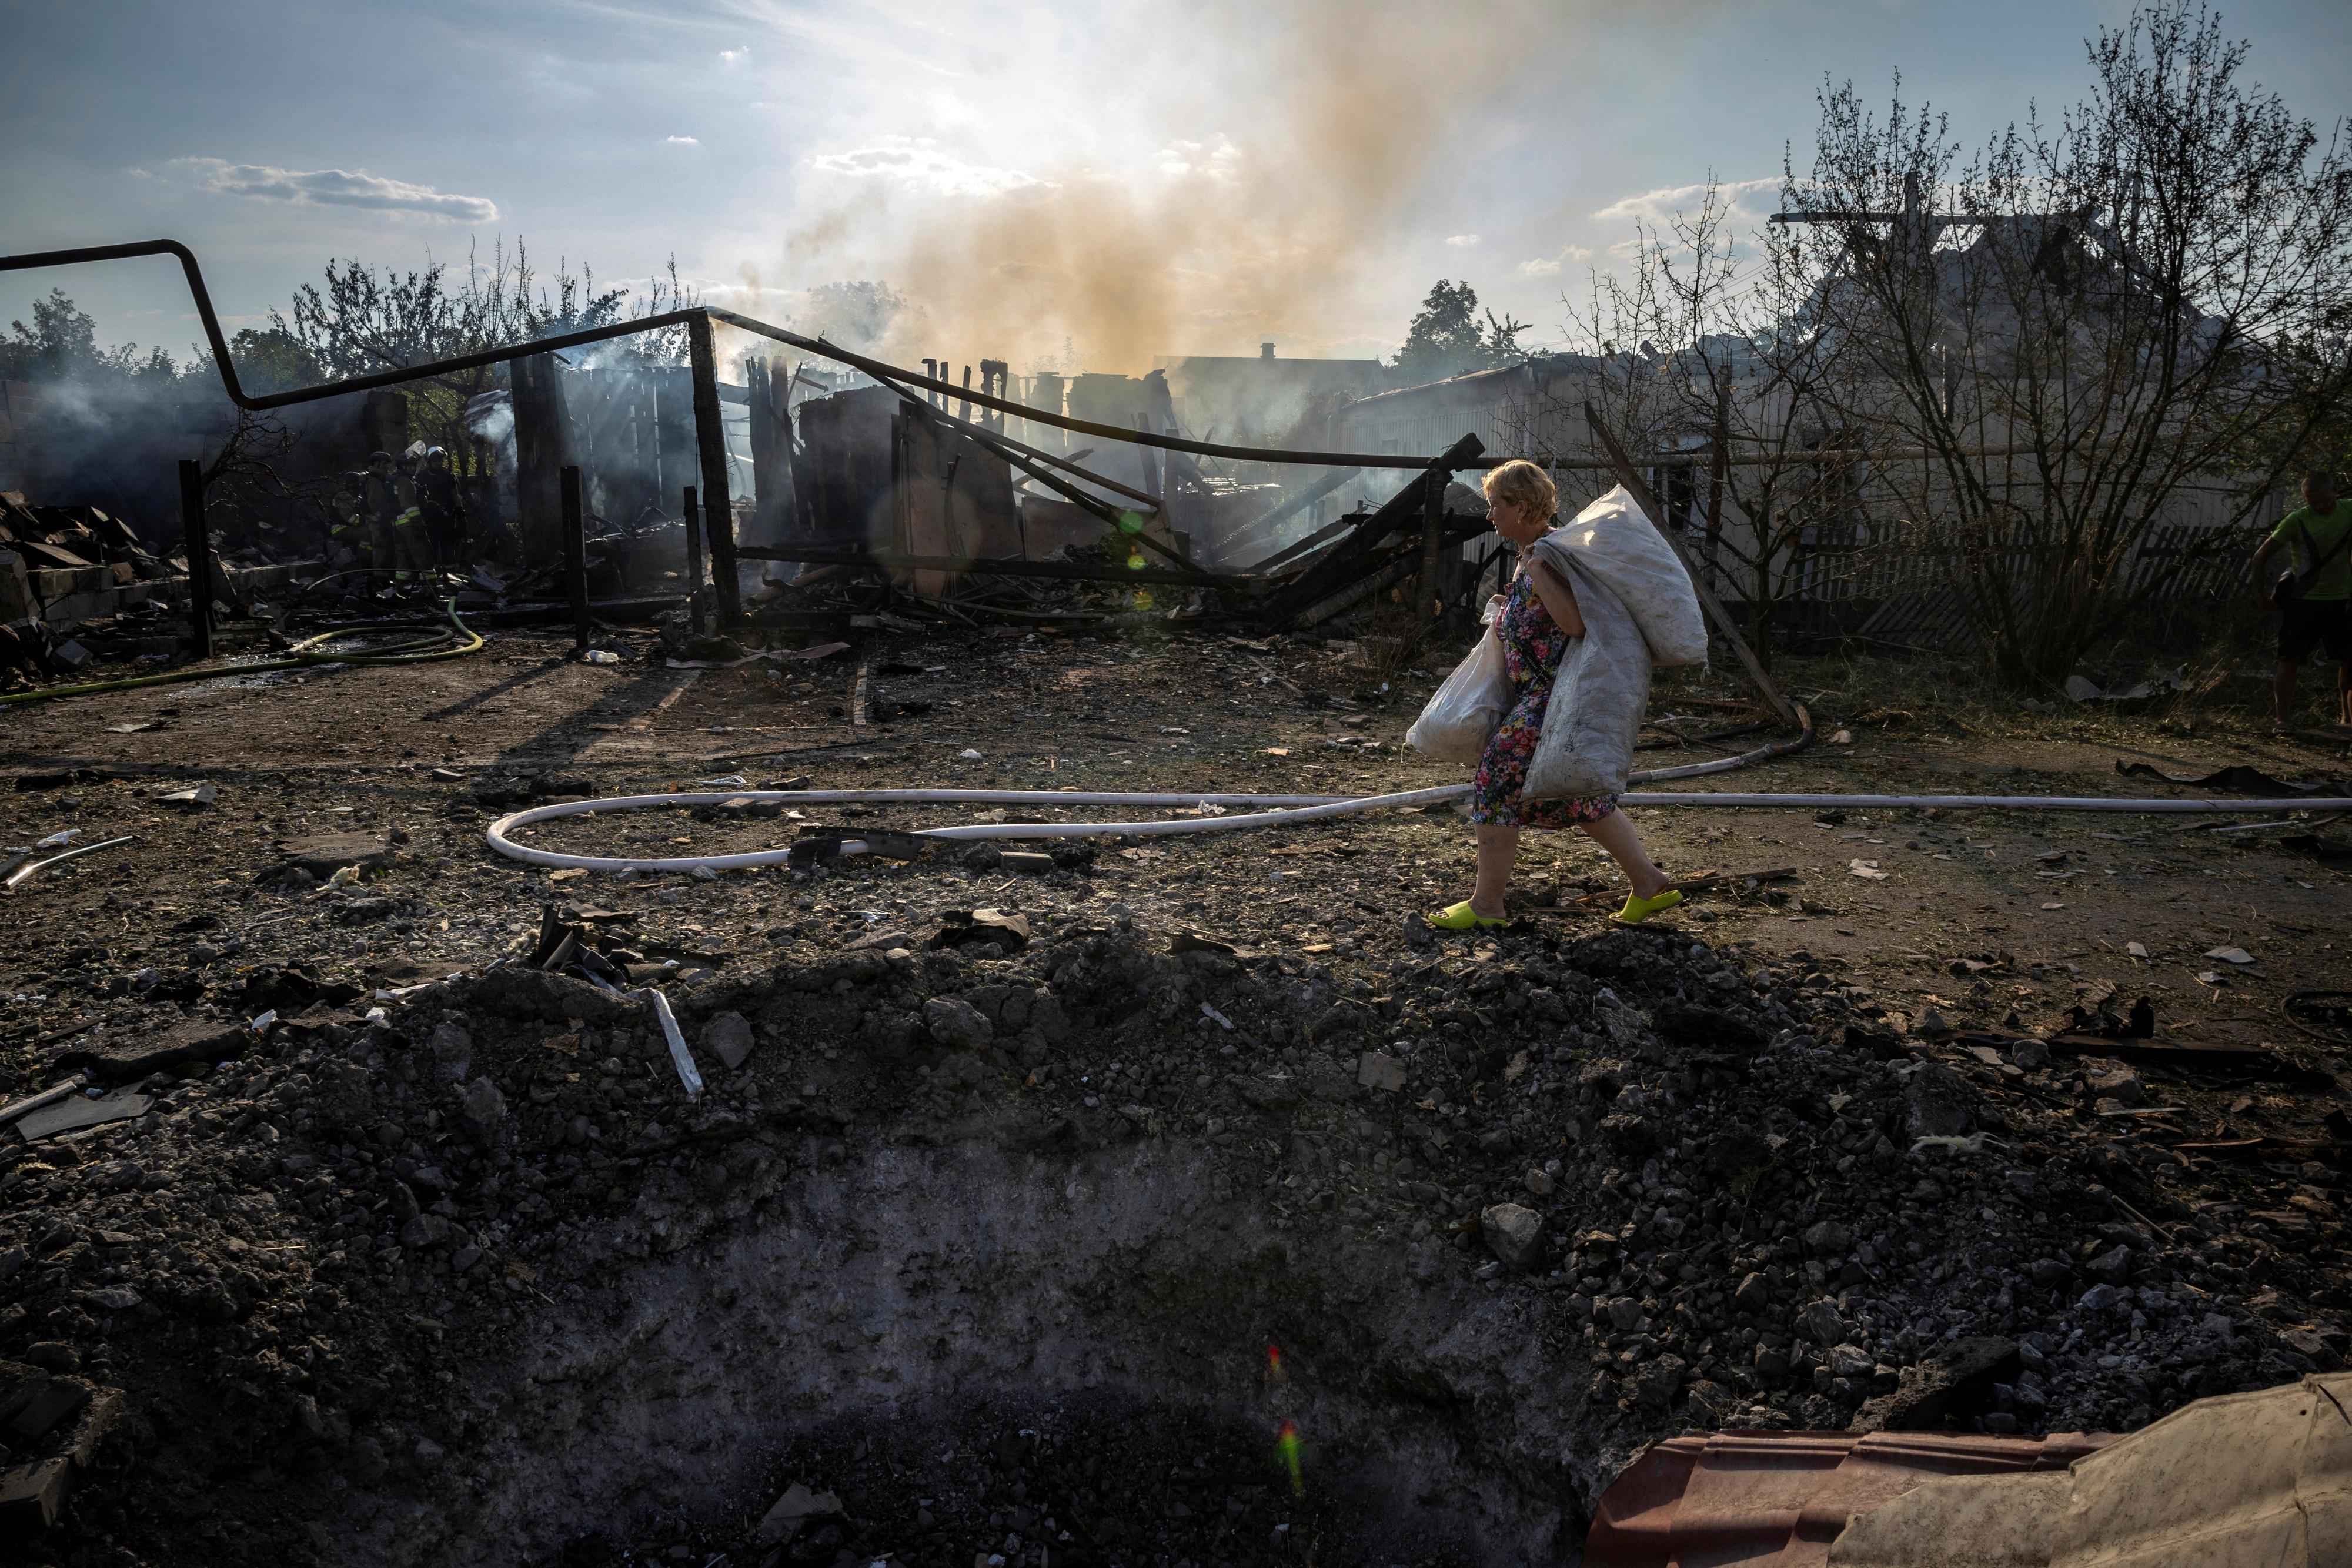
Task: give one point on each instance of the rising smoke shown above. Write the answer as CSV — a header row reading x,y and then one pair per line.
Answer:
x,y
1296,140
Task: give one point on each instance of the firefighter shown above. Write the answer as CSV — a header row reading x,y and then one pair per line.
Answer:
x,y
347,523
412,544
390,503
444,508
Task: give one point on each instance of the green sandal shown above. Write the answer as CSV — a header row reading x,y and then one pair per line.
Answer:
x,y
1637,910
1462,917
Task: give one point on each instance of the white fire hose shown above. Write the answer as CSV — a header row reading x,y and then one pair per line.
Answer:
x,y
1243,811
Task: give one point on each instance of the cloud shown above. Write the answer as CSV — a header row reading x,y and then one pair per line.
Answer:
x,y
1662,205
921,162
682,141
335,188
1219,160
1462,242
735,57
1550,265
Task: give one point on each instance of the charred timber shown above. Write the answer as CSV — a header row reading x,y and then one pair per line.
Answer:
x,y
1353,556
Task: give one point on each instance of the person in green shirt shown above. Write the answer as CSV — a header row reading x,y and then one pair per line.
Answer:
x,y
2319,616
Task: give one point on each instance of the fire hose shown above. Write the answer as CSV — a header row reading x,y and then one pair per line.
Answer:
x,y
1230,813
452,640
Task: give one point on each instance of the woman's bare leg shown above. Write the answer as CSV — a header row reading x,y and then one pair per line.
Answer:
x,y
1497,847
1614,834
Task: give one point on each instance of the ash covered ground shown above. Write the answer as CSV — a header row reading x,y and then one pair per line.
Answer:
x,y
1227,1215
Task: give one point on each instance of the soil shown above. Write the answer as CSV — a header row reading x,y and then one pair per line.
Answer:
x,y
1039,1254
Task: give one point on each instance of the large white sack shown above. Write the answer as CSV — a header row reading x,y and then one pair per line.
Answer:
x,y
1640,611
1461,715
1612,541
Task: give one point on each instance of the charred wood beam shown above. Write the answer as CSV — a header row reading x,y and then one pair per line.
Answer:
x,y
575,556
711,442
1311,543
695,618
198,541
1433,526
1282,511
1347,561
1391,567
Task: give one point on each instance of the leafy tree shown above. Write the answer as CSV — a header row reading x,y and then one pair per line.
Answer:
x,y
62,344
359,322
271,360
1447,338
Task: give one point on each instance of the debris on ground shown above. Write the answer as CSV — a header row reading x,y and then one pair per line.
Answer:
x,y
993,1208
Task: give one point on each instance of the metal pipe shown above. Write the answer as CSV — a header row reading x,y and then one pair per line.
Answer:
x,y
31,868
878,369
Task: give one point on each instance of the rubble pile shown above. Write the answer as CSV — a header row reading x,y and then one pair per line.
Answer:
x,y
72,539
1079,1239
42,547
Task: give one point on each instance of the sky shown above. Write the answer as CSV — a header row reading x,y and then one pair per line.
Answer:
x,y
1074,184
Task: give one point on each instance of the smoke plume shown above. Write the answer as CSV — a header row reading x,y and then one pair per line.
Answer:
x,y
1324,127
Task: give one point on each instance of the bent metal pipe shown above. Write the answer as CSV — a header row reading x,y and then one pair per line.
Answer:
x,y
880,370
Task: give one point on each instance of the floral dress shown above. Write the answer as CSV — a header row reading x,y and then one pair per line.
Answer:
x,y
1532,645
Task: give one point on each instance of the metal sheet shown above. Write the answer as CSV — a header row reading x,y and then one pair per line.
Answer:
x,y
1781,1498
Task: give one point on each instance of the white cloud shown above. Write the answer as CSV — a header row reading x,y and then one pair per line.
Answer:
x,y
735,57
1462,242
1665,203
335,188
920,161
682,141
1550,265
1219,160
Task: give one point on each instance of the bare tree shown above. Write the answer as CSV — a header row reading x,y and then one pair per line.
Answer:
x,y
2146,298
1744,371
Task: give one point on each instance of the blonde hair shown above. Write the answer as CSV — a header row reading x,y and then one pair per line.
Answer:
x,y
1521,482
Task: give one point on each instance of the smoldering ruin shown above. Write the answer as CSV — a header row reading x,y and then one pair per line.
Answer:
x,y
662,937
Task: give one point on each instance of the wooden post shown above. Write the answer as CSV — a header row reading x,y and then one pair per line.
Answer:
x,y
772,449
1433,523
1635,486
575,554
693,612
542,445
199,546
711,439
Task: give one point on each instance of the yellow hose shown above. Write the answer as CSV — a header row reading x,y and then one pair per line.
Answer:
x,y
424,650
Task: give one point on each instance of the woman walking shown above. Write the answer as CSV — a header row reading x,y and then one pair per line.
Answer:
x,y
1535,620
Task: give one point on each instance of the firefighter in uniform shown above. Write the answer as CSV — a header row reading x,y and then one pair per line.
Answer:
x,y
444,508
390,504
347,528
412,546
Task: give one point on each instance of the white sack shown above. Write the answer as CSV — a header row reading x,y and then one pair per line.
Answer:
x,y
1613,542
1462,714
1639,610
